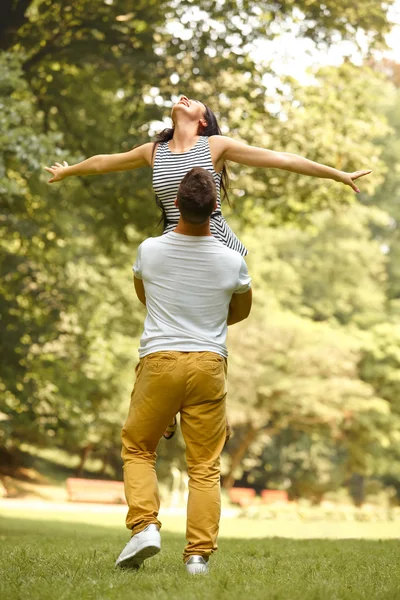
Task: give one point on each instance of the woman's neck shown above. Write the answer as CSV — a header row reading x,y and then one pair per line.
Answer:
x,y
184,138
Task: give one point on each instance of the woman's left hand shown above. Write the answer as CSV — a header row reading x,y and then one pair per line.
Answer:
x,y
349,178
57,171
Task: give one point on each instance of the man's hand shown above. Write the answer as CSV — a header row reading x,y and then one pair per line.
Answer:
x,y
349,178
139,289
239,307
58,171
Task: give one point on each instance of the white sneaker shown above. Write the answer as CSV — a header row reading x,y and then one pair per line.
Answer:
x,y
196,565
143,545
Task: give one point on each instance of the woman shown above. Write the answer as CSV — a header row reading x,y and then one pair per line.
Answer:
x,y
196,141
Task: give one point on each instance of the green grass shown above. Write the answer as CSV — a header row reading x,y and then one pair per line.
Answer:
x,y
48,559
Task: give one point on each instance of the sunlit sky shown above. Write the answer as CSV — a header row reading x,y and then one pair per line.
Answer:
x,y
393,38
296,56
293,55
287,54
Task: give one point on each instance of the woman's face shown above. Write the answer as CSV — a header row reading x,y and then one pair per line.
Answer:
x,y
193,109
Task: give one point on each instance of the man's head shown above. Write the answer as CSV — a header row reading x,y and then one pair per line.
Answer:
x,y
197,196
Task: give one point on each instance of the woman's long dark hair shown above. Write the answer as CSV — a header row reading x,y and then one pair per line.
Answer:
x,y
212,128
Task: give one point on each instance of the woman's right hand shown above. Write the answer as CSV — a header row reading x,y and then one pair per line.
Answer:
x,y
58,171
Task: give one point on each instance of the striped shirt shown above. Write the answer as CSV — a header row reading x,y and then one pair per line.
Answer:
x,y
168,172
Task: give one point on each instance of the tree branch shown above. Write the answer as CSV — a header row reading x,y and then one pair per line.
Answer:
x,y
12,18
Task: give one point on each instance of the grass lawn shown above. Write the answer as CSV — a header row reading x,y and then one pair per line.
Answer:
x,y
49,559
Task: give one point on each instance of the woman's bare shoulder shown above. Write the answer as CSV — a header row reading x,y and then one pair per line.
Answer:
x,y
147,151
219,141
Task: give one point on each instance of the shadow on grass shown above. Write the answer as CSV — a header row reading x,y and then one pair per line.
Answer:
x,y
52,471
20,527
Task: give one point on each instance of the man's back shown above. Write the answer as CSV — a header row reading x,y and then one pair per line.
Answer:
x,y
189,282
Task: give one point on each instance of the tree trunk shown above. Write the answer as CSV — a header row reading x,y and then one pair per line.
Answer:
x,y
105,462
239,454
357,489
84,456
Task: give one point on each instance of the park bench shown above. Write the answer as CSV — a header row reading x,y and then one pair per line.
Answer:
x,y
95,490
242,496
271,496
246,496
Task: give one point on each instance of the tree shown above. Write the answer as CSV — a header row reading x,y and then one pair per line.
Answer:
x,y
333,270
379,367
67,322
387,195
135,64
304,379
333,121
87,78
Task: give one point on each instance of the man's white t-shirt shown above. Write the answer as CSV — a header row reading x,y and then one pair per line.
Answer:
x,y
189,282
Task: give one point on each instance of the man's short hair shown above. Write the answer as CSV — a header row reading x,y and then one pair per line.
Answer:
x,y
197,195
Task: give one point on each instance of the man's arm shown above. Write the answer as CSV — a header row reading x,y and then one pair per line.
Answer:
x,y
139,289
239,307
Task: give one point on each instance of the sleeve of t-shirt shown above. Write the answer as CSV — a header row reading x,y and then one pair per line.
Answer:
x,y
244,281
137,267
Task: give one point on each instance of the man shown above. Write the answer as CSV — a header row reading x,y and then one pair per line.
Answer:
x,y
193,287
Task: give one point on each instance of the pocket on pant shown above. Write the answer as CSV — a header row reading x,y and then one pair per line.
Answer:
x,y
211,363
139,367
160,362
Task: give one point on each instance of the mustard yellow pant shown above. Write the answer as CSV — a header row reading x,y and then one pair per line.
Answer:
x,y
194,384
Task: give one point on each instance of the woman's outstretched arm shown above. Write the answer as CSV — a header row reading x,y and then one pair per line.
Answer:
x,y
104,163
229,149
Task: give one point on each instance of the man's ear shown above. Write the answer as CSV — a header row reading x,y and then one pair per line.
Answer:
x,y
176,203
216,205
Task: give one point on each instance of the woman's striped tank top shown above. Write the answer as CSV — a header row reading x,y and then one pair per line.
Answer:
x,y
169,170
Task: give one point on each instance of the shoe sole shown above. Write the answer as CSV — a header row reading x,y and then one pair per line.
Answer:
x,y
171,430
198,570
135,561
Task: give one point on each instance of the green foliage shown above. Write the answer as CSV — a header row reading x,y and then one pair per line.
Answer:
x,y
379,367
85,78
387,196
304,380
66,311
307,464
333,120
134,63
332,271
